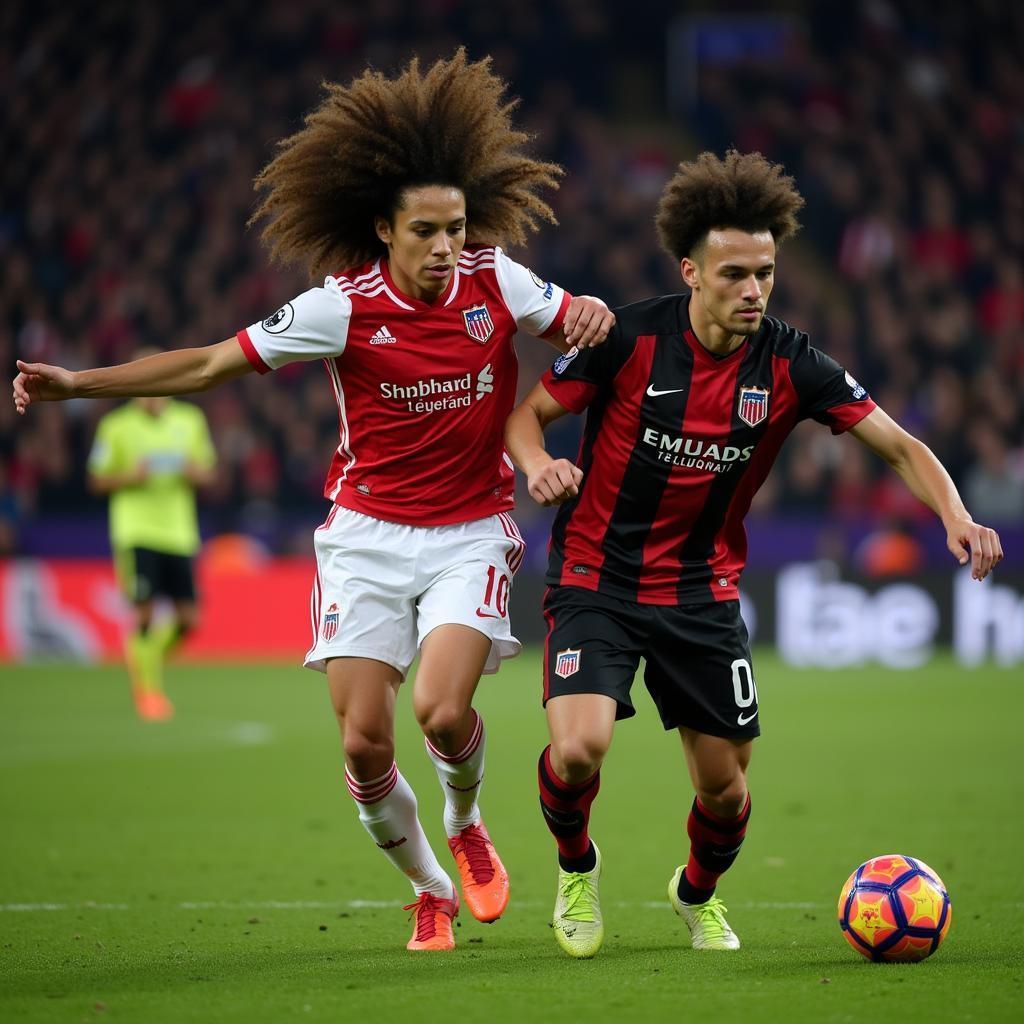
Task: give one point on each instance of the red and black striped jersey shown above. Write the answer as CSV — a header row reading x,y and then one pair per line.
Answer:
x,y
676,443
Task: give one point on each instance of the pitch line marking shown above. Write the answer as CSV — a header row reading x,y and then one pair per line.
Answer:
x,y
43,907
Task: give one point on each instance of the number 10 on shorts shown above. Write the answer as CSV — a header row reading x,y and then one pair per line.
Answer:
x,y
495,602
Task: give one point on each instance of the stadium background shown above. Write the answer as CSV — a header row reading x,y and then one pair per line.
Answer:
x,y
131,136
211,868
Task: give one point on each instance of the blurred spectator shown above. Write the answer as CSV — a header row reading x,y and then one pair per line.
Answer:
x,y
1001,306
994,487
10,517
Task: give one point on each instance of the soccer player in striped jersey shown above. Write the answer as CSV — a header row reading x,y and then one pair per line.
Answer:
x,y
409,185
687,403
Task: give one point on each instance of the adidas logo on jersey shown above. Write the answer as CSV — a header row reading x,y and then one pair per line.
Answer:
x,y
383,337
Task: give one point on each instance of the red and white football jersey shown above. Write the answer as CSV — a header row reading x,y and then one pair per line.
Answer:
x,y
423,389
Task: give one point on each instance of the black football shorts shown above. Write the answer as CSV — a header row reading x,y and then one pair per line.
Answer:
x,y
145,574
698,668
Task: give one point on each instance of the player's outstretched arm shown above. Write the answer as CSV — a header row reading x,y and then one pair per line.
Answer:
x,y
549,481
180,372
929,482
587,323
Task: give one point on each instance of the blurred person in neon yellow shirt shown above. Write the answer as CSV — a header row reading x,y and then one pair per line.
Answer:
x,y
149,456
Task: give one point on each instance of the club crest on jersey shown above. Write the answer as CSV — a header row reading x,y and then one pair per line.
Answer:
x,y
567,663
479,325
753,405
330,623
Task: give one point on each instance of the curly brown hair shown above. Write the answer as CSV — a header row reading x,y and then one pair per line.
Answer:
x,y
743,191
370,141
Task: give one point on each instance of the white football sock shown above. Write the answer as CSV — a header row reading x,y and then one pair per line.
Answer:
x,y
460,776
387,809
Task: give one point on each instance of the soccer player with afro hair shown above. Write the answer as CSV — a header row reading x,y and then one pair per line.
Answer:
x,y
399,194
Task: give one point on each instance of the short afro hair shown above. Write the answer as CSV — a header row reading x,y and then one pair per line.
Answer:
x,y
743,191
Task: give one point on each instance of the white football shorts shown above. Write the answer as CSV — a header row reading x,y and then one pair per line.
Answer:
x,y
381,587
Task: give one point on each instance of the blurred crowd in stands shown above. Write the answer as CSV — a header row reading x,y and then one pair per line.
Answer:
x,y
131,135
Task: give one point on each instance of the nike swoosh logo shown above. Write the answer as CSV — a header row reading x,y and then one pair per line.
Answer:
x,y
655,393
484,614
740,720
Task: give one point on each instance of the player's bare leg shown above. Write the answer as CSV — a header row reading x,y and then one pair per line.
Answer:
x,y
144,667
186,618
716,826
160,640
581,728
452,658
718,770
363,692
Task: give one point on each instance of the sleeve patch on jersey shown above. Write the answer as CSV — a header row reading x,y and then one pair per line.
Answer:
x,y
546,286
280,321
856,389
564,360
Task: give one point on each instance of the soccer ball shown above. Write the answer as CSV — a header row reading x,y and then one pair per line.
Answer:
x,y
894,908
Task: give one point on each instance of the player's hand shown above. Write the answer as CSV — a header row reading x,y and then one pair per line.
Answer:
x,y
587,321
40,382
979,545
197,475
556,482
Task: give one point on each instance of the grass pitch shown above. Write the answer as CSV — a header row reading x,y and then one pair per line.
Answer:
x,y
213,868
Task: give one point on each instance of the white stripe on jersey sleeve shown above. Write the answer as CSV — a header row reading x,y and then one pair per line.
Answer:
x,y
312,326
534,303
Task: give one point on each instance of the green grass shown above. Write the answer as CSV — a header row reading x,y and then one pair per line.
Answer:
x,y
213,868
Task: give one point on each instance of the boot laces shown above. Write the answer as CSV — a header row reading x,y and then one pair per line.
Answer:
x,y
476,848
578,895
425,910
712,916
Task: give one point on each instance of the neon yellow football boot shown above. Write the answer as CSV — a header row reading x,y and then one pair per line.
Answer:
x,y
706,921
577,918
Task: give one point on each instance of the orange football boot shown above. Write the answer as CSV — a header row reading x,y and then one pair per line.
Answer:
x,y
153,706
483,876
433,918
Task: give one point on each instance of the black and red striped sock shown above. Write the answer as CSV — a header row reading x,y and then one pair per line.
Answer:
x,y
567,814
714,844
